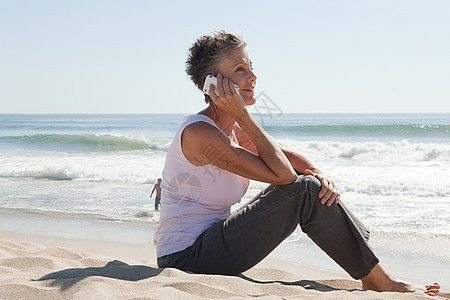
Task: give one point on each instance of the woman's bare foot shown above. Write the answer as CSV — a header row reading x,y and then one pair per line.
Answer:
x,y
381,281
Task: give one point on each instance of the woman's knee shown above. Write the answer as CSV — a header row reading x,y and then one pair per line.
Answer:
x,y
304,193
309,182
305,183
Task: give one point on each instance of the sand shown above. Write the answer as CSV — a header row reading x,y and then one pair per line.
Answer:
x,y
36,267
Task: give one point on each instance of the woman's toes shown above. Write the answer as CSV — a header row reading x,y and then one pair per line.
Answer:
x,y
432,290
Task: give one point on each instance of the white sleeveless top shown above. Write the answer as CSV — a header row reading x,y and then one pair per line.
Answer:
x,y
193,197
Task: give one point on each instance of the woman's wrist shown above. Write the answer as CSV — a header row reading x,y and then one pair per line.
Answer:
x,y
242,116
315,169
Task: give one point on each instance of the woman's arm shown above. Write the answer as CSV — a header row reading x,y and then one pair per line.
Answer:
x,y
302,164
204,144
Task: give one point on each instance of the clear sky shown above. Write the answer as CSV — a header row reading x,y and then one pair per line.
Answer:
x,y
310,56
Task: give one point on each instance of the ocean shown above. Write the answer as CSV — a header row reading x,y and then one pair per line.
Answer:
x,y
90,177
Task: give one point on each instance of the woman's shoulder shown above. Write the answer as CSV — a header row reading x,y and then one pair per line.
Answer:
x,y
199,129
197,138
196,117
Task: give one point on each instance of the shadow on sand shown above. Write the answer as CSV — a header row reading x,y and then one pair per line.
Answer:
x,y
114,269
312,285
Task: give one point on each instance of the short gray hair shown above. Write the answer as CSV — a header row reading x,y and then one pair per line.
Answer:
x,y
207,53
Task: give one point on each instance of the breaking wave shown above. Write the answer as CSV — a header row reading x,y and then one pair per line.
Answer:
x,y
93,142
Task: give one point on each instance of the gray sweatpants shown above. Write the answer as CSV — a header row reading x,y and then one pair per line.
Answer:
x,y
236,244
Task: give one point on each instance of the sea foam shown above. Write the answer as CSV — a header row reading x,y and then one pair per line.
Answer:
x,y
371,152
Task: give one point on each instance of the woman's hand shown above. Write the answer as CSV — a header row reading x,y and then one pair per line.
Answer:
x,y
229,99
329,193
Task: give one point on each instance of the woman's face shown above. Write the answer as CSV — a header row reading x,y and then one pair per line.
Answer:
x,y
238,68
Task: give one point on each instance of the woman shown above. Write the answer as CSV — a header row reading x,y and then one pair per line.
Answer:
x,y
208,167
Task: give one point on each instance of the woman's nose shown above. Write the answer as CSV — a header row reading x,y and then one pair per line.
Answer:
x,y
253,76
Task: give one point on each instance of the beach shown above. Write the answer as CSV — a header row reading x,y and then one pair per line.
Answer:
x,y
38,267
74,195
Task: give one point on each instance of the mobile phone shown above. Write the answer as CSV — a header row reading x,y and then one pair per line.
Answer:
x,y
212,79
